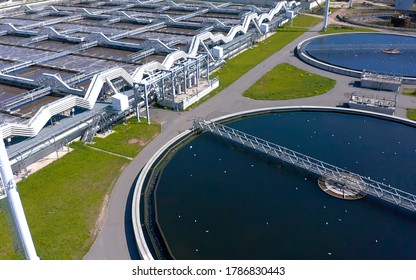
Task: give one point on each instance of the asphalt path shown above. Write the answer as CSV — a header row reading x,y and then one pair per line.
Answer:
x,y
116,239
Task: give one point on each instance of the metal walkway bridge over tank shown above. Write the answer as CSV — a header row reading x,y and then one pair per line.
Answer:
x,y
345,179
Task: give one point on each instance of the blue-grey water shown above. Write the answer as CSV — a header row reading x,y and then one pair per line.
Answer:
x,y
364,51
218,201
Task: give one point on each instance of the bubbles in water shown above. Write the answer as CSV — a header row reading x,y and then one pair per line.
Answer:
x,y
305,179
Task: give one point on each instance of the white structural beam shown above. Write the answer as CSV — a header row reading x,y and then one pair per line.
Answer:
x,y
146,98
37,122
15,205
326,15
111,85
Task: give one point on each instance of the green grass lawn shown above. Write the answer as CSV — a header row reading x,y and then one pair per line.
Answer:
x,y
409,91
62,201
287,82
125,140
411,114
335,28
237,66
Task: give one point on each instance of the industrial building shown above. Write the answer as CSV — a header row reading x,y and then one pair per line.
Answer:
x,y
71,68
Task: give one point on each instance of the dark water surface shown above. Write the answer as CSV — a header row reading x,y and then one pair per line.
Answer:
x,y
218,201
364,51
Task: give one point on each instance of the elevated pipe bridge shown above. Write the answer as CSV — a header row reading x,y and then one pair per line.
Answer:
x,y
343,178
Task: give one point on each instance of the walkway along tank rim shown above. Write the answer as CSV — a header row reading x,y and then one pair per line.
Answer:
x,y
140,188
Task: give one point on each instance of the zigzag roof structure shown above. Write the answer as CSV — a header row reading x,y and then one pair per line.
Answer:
x,y
34,125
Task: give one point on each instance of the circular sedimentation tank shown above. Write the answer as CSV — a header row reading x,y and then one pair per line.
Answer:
x,y
204,198
351,53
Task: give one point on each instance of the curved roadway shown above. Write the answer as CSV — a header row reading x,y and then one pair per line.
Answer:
x,y
116,240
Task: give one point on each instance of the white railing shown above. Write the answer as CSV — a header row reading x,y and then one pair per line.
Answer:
x,y
354,181
47,111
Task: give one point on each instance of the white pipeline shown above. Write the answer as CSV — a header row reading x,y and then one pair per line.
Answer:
x,y
326,15
50,142
15,204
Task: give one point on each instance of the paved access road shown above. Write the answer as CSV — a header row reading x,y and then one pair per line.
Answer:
x,y
116,240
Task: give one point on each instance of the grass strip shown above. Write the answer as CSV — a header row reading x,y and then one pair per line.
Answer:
x,y
411,114
62,202
241,64
288,82
409,91
337,28
125,139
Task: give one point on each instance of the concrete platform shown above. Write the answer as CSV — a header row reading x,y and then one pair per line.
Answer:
x,y
343,187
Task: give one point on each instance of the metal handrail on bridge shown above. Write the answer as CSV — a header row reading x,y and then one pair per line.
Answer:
x,y
354,181
134,57
30,95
